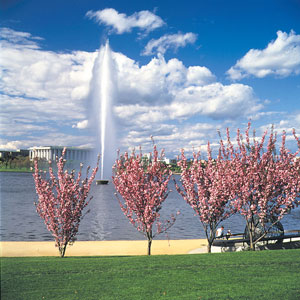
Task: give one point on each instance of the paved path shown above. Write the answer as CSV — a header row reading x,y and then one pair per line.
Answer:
x,y
105,248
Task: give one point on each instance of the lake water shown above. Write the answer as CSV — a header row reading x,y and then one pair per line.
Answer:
x,y
20,222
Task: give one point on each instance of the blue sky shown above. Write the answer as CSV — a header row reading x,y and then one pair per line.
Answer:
x,y
184,69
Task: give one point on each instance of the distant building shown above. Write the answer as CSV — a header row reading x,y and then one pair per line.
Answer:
x,y
147,156
4,154
168,161
51,152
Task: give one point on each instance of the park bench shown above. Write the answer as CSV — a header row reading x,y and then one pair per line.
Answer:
x,y
234,239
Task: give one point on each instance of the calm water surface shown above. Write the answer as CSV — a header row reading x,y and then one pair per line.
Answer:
x,y
105,221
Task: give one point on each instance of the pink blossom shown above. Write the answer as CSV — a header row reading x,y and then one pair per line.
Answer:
x,y
143,185
61,200
266,184
207,188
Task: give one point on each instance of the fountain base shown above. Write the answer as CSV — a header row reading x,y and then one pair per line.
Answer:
x,y
102,181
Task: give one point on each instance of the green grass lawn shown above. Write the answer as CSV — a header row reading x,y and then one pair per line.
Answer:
x,y
241,275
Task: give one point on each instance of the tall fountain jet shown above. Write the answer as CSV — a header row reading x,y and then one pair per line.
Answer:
x,y
102,91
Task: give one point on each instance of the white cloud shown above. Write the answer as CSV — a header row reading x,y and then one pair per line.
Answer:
x,y
168,41
197,75
144,20
173,137
44,82
266,114
291,121
288,123
281,58
81,125
54,138
45,74
20,39
214,100
158,81
12,145
44,99
43,92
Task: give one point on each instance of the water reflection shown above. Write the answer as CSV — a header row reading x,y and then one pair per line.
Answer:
x,y
105,221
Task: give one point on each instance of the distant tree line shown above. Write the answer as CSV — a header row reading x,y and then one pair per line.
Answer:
x,y
15,162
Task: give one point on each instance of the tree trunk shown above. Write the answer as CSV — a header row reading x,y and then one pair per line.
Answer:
x,y
210,231
149,236
149,246
62,250
208,248
250,226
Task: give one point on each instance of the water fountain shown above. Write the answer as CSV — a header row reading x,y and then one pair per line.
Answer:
x,y
102,92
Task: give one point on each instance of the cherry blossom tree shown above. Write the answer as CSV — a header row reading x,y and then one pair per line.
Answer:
x,y
143,185
61,200
266,184
207,188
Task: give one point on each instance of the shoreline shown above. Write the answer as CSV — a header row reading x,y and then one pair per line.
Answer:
x,y
16,171
103,248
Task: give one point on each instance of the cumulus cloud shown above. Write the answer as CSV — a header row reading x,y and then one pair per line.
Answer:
x,y
12,145
167,90
265,114
19,38
281,58
121,23
288,123
81,125
42,92
172,138
158,81
215,100
44,98
44,79
44,74
168,41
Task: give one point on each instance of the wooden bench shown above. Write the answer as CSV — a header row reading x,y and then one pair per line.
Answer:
x,y
289,234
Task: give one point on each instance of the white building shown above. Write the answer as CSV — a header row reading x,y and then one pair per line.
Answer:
x,y
168,161
51,152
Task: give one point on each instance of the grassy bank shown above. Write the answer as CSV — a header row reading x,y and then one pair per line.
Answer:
x,y
19,170
243,275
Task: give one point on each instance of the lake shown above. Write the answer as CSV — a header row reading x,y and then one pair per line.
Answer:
x,y
105,221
